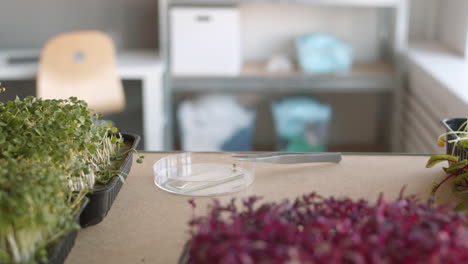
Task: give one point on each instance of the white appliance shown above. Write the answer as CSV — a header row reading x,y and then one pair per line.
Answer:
x,y
205,41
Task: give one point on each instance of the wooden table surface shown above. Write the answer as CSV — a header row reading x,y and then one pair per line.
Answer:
x,y
148,225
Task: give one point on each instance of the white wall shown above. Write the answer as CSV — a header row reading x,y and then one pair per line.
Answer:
x,y
442,21
29,23
422,22
268,29
453,24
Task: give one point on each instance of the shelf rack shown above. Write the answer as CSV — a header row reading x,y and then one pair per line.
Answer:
x,y
363,77
370,77
353,3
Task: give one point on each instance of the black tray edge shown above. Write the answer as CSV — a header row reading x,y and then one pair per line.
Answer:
x,y
66,243
126,161
101,200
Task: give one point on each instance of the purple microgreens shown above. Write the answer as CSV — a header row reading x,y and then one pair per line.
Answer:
x,y
314,229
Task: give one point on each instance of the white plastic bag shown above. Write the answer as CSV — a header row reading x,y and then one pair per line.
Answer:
x,y
209,121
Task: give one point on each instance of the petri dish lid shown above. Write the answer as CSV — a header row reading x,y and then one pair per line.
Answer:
x,y
202,174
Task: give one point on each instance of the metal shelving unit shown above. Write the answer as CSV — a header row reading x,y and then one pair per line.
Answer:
x,y
363,77
353,3
381,76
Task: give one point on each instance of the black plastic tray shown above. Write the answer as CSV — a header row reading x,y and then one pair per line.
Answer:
x,y
453,124
101,199
65,245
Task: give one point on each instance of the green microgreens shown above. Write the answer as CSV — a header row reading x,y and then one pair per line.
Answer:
x,y
52,152
65,131
36,207
140,159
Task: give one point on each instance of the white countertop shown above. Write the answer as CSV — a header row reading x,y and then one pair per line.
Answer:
x,y
444,66
131,64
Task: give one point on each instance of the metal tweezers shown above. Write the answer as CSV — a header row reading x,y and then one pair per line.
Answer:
x,y
291,158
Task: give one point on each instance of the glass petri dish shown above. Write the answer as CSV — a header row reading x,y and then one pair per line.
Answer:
x,y
202,174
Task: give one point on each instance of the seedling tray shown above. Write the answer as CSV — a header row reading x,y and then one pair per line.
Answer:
x,y
102,198
65,245
453,124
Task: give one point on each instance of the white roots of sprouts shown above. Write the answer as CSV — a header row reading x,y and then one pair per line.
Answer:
x,y
99,161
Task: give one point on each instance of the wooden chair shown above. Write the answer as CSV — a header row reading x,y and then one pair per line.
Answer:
x,y
81,64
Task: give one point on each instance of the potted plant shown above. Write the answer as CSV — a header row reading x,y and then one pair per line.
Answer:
x,y
456,140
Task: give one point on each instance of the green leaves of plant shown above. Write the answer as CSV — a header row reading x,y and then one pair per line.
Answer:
x,y
435,159
456,166
463,144
460,186
458,170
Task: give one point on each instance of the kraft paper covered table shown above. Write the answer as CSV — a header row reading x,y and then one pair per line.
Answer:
x,y
148,225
